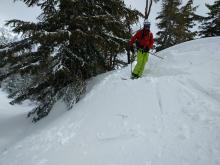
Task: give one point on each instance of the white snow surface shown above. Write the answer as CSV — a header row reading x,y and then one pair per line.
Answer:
x,y
171,116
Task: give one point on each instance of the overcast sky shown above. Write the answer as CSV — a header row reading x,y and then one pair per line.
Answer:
x,y
140,4
10,10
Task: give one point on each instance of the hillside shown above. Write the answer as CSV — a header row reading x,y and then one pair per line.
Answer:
x,y
170,116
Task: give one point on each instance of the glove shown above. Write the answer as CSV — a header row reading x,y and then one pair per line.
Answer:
x,y
132,49
146,49
137,44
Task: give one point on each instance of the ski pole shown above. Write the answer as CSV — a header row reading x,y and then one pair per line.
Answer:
x,y
132,60
154,54
129,57
131,67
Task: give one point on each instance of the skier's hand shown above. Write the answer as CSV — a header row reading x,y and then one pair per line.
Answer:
x,y
132,49
146,49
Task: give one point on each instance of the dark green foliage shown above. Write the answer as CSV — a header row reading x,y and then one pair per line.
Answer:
x,y
168,24
73,41
211,24
186,22
5,37
175,23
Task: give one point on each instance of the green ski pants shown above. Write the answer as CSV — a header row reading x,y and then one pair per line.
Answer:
x,y
142,58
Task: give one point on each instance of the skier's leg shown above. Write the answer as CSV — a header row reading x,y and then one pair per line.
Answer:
x,y
137,68
145,56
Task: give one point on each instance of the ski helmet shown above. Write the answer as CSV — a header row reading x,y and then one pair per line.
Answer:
x,y
147,24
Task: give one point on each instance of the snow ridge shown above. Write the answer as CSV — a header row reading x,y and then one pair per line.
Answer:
x,y
169,116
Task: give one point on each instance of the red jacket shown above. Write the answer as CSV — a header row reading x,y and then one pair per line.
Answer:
x,y
145,39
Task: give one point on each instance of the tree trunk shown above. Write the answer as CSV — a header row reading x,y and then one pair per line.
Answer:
x,y
148,8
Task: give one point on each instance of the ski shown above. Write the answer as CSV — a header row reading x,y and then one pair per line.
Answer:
x,y
123,78
128,78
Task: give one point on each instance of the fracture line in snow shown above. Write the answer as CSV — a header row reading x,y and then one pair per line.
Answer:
x,y
159,99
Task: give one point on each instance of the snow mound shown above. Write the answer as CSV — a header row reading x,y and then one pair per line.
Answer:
x,y
170,116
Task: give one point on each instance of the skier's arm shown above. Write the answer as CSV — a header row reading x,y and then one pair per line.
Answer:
x,y
151,43
133,39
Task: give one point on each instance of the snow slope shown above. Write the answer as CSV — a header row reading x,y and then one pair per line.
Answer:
x,y
12,121
170,116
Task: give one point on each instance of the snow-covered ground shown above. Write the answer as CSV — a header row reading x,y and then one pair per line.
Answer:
x,y
12,121
170,116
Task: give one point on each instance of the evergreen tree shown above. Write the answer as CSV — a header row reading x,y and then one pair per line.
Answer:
x,y
5,37
73,41
211,24
15,82
169,20
176,23
186,23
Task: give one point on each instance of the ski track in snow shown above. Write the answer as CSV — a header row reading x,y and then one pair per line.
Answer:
x,y
169,116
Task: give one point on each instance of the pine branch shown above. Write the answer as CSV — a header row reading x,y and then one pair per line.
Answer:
x,y
73,41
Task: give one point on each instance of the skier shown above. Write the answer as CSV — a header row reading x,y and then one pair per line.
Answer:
x,y
144,42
